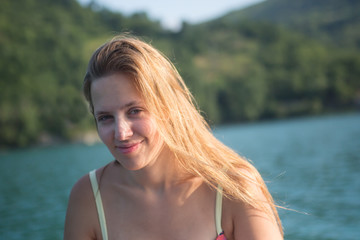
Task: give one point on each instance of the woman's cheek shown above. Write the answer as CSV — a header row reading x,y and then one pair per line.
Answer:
x,y
149,129
104,133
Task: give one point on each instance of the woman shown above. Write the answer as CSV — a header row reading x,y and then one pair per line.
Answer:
x,y
171,178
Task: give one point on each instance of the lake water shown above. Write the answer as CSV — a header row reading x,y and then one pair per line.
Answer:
x,y
311,165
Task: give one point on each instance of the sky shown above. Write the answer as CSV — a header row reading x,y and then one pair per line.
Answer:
x,y
171,13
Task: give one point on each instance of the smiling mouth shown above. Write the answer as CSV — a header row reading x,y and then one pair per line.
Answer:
x,y
127,149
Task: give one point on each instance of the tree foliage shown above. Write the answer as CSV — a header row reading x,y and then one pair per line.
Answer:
x,y
238,70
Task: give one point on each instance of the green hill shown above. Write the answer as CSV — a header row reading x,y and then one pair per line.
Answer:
x,y
251,70
239,69
332,21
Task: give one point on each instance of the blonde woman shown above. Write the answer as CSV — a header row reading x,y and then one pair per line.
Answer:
x,y
171,178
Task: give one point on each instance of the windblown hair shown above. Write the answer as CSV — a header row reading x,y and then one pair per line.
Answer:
x,y
184,130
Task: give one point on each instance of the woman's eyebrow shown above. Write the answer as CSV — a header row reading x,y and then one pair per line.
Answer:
x,y
130,104
127,105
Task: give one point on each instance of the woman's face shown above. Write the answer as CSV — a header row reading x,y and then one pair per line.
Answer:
x,y
123,122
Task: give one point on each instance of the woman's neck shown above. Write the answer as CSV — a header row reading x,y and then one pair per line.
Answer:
x,y
157,176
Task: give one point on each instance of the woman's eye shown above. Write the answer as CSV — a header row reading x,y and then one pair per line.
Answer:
x,y
103,118
134,111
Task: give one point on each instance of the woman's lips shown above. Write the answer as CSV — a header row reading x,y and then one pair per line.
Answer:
x,y
129,148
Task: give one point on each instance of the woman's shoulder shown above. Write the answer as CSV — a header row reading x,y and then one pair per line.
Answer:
x,y
243,220
82,187
81,216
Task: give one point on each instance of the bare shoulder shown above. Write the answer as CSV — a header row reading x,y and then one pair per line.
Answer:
x,y
242,221
81,216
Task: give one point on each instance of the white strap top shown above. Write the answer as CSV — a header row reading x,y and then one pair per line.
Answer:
x,y
101,214
218,210
99,205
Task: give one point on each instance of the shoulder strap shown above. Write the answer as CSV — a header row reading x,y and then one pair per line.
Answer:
x,y
99,205
218,210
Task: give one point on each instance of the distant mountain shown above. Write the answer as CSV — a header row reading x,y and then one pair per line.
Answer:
x,y
332,21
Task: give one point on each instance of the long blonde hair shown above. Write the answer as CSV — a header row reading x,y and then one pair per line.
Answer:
x,y
184,130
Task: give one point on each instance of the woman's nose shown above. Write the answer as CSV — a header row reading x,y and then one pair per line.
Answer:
x,y
123,130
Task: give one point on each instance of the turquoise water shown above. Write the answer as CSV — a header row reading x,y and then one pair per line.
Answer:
x,y
311,165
